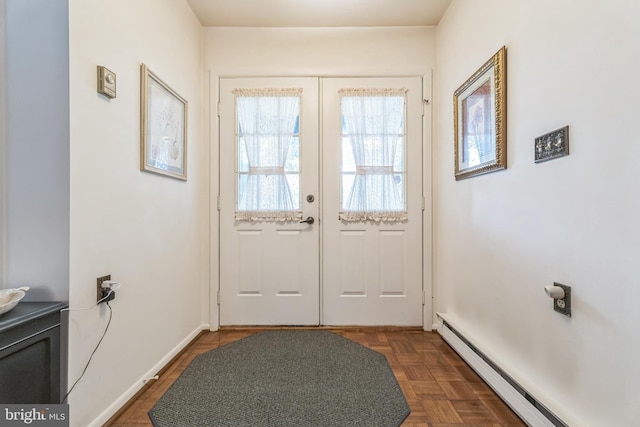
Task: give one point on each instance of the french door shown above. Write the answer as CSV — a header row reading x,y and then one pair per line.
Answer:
x,y
321,201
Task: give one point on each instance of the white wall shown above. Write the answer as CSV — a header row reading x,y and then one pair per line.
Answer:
x,y
387,51
37,148
148,231
500,238
342,52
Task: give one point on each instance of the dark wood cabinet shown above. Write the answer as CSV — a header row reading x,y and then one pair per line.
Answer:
x,y
31,353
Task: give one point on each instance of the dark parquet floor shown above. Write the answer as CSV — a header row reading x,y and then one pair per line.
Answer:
x,y
441,389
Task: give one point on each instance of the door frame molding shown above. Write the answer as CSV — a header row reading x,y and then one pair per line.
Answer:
x,y
212,134
428,319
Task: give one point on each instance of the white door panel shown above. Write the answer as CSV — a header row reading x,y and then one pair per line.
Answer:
x,y
372,271
269,271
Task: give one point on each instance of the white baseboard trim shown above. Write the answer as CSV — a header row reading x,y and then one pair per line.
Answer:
x,y
127,395
528,408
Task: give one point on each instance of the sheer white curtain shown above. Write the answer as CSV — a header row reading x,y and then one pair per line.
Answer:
x,y
373,125
266,126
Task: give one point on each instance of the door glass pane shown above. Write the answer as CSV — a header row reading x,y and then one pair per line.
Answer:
x,y
373,155
268,154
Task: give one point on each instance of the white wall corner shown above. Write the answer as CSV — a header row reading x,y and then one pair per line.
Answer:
x,y
137,386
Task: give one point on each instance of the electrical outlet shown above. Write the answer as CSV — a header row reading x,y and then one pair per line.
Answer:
x,y
563,305
99,289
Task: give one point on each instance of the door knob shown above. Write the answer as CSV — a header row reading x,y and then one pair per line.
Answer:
x,y
309,220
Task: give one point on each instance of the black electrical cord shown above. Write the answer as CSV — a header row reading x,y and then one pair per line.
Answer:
x,y
94,350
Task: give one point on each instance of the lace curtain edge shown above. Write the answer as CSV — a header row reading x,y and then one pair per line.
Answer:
x,y
264,92
268,216
373,216
373,92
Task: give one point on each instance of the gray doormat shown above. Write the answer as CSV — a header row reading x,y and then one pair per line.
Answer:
x,y
285,378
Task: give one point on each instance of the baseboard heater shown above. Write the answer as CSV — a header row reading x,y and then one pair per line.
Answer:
x,y
532,412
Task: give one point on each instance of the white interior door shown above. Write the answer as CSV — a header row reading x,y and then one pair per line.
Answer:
x,y
269,267
372,161
334,271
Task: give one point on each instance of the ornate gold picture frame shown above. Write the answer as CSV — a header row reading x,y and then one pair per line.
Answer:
x,y
163,123
480,125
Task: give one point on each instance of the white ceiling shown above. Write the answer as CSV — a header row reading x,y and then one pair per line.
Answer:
x,y
318,13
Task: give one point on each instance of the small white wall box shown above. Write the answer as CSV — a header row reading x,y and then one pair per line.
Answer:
x,y
106,82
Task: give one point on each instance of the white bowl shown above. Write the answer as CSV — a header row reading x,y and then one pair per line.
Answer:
x,y
9,298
